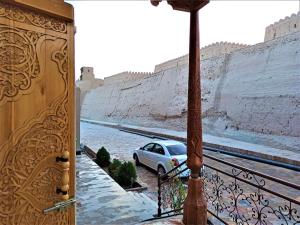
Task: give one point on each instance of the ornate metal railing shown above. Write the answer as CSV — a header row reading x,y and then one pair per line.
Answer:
x,y
235,195
171,191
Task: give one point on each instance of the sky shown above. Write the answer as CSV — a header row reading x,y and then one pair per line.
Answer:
x,y
117,36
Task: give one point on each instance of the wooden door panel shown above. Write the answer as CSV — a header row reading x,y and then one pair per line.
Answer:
x,y
36,115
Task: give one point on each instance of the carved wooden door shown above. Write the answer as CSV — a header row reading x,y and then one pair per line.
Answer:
x,y
36,111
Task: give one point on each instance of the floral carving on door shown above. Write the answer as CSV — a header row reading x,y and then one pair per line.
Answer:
x,y
19,64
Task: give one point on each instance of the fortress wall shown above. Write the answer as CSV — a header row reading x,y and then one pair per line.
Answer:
x,y
125,76
87,82
255,89
283,27
87,85
180,61
87,73
260,92
130,100
87,79
220,48
158,97
210,51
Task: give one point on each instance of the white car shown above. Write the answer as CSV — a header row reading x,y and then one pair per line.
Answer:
x,y
162,156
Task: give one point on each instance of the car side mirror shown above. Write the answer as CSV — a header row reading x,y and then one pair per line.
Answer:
x,y
141,148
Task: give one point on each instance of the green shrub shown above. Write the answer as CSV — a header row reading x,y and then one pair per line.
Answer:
x,y
103,157
113,168
126,174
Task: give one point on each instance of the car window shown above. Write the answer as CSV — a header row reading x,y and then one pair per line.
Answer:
x,y
148,147
158,149
177,149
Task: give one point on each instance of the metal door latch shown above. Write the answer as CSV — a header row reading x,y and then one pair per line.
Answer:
x,y
60,206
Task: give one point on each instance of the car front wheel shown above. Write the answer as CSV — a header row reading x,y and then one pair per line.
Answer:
x,y
137,162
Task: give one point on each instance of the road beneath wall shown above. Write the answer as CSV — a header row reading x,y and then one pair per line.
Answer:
x,y
122,144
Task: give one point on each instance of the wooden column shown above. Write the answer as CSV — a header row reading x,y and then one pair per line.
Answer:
x,y
194,127
195,207
195,204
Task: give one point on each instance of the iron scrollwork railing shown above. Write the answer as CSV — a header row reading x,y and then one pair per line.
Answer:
x,y
171,191
235,195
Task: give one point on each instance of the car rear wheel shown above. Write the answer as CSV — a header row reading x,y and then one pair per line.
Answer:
x,y
160,170
137,162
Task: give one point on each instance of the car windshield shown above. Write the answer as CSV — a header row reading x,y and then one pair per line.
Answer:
x,y
176,149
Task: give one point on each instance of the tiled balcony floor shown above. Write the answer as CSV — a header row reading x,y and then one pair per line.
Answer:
x,y
100,200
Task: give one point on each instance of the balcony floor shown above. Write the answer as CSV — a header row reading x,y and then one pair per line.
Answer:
x,y
100,200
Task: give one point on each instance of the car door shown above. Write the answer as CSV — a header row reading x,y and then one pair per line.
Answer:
x,y
156,156
144,154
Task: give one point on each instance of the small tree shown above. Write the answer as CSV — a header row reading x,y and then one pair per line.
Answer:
x,y
103,157
113,168
126,174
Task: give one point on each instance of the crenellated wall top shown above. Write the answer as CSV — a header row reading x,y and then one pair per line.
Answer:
x,y
220,48
209,51
125,76
289,24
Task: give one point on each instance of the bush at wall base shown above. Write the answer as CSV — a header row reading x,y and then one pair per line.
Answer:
x,y
103,157
123,173
126,174
113,168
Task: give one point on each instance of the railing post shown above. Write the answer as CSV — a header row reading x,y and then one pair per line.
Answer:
x,y
159,196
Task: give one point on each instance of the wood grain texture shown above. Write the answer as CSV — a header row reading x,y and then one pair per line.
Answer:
x,y
54,8
36,115
194,123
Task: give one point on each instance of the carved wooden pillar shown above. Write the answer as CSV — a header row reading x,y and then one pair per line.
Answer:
x,y
195,204
195,208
